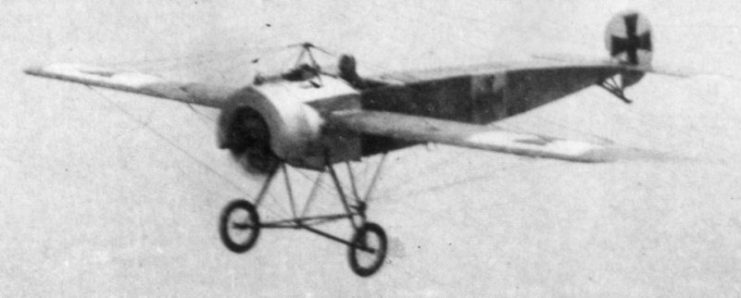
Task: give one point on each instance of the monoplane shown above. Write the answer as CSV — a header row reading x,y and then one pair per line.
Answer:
x,y
313,117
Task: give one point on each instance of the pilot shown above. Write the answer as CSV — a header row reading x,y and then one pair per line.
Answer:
x,y
301,73
348,73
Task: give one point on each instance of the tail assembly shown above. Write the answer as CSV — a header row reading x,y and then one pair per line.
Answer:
x,y
628,39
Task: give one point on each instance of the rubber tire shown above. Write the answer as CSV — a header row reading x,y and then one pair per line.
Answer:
x,y
224,228
381,253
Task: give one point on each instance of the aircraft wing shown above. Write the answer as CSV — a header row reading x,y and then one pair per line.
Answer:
x,y
135,82
424,129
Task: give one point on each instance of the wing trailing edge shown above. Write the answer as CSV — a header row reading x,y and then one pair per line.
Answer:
x,y
423,129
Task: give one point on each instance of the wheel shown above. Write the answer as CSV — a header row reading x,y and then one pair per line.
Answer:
x,y
368,249
239,226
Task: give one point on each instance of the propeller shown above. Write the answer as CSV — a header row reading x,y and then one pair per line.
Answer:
x,y
628,38
249,142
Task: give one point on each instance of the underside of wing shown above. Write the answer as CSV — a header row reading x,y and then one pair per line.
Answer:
x,y
135,82
423,129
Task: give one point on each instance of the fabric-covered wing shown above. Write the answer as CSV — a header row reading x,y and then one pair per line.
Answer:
x,y
192,93
423,129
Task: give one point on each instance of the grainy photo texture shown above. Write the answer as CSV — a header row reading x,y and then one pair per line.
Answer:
x,y
370,148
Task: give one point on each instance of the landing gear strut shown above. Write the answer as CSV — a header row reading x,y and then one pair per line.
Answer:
x,y
240,225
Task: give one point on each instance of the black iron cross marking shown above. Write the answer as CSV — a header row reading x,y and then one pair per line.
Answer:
x,y
538,141
633,42
100,73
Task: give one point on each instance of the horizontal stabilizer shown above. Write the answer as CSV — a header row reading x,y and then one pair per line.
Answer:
x,y
135,82
423,129
576,60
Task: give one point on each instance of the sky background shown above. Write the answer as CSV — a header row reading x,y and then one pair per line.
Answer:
x,y
106,193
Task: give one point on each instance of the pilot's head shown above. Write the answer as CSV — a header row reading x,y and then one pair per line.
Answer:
x,y
347,66
306,71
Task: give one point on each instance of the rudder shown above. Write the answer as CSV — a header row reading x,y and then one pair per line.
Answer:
x,y
628,39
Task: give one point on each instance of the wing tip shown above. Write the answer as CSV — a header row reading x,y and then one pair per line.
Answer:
x,y
615,154
34,70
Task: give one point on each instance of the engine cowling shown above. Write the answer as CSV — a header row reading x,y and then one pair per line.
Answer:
x,y
274,122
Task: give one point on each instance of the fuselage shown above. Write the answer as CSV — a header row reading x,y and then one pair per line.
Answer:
x,y
295,107
478,96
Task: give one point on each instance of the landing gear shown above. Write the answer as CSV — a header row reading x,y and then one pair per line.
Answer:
x,y
240,225
368,249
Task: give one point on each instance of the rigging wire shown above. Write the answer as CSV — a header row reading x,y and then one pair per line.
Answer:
x,y
203,116
168,141
188,154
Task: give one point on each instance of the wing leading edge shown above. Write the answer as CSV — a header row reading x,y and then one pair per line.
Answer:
x,y
135,82
423,129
